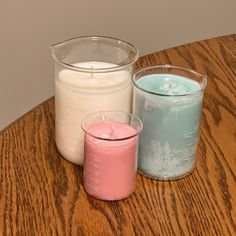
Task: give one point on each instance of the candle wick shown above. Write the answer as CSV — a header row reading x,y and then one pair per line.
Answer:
x,y
92,74
112,131
102,116
170,88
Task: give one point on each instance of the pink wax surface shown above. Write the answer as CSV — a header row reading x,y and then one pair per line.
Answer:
x,y
110,166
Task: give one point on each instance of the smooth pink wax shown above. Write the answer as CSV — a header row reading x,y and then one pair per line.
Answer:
x,y
110,165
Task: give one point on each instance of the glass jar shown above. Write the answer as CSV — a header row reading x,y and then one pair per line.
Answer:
x,y
91,74
110,160
168,100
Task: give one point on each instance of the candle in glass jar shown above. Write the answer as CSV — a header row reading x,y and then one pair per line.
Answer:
x,y
80,93
110,154
169,106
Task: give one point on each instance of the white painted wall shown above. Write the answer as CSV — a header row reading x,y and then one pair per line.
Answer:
x,y
29,27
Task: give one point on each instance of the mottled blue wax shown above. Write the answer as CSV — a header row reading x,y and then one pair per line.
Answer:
x,y
170,124
168,84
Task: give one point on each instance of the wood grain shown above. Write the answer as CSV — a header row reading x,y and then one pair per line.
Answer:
x,y
42,194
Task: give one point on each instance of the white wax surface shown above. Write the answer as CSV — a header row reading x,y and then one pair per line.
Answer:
x,y
78,94
84,81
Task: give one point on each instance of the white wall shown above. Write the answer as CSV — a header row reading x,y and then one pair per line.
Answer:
x,y
28,27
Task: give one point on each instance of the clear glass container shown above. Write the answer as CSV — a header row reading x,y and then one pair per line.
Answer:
x,y
110,148
168,100
91,74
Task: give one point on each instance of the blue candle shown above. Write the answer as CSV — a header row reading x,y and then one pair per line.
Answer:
x,y
169,106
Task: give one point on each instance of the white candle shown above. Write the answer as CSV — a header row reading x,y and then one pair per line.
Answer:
x,y
78,94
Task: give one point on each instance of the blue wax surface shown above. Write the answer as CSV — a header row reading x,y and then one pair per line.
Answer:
x,y
168,84
168,142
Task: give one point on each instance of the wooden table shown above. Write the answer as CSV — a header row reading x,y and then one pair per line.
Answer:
x,y
42,194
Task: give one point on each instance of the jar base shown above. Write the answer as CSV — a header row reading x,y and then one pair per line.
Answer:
x,y
166,178
75,161
108,199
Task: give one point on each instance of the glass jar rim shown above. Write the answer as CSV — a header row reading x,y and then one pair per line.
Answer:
x,y
168,66
131,60
101,113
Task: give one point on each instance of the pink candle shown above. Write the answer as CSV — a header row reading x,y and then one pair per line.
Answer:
x,y
110,162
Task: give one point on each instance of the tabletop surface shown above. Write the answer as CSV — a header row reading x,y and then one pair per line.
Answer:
x,y
42,194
